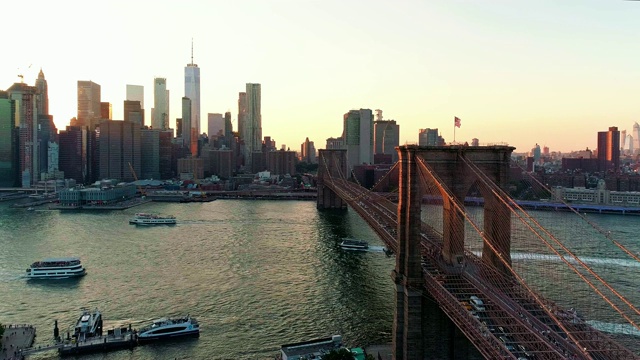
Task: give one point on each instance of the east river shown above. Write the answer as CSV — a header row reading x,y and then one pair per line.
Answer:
x,y
256,274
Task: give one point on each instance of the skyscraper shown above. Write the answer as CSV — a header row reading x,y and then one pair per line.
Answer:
x,y
42,94
160,106
189,135
8,147
133,112
242,113
135,93
119,146
26,119
428,137
88,104
192,91
386,135
215,125
253,124
150,153
636,138
308,152
609,150
106,111
358,137
72,155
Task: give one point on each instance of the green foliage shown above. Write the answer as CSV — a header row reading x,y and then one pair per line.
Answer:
x,y
304,167
370,357
342,354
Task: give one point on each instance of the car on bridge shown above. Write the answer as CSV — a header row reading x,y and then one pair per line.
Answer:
x,y
476,303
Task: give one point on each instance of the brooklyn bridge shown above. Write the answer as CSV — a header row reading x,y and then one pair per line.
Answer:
x,y
498,272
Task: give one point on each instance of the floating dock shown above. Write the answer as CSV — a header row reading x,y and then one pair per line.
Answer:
x,y
117,340
114,340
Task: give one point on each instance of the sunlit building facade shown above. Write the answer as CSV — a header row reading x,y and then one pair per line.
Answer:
x,y
42,94
192,91
609,150
386,134
253,124
358,137
160,104
26,120
89,109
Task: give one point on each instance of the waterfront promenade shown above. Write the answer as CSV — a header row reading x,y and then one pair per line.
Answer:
x,y
15,338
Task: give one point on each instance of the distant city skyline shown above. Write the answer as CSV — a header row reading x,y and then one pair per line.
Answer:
x,y
534,72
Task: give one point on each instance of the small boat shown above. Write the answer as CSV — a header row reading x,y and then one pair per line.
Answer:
x,y
165,328
56,268
89,325
152,219
352,244
30,208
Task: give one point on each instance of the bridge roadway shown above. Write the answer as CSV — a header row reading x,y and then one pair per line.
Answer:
x,y
513,324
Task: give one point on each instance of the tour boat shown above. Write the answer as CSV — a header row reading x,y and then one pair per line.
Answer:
x,y
152,219
56,268
165,328
352,244
89,324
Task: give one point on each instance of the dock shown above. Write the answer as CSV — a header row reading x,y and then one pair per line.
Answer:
x,y
122,205
117,340
15,339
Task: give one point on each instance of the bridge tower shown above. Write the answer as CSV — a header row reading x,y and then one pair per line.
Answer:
x,y
332,165
407,322
448,162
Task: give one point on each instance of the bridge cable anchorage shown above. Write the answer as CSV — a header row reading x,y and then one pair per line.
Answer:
x,y
456,203
606,234
502,195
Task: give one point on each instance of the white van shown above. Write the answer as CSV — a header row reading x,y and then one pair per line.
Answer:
x,y
476,303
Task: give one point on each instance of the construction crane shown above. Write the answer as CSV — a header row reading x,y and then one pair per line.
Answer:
x,y
21,76
136,177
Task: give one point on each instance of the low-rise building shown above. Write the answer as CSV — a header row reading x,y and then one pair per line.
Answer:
x,y
96,196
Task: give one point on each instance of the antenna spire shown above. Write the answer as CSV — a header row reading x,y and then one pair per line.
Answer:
x,y
191,51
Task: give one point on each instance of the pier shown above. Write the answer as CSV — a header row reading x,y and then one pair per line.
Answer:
x,y
15,339
117,339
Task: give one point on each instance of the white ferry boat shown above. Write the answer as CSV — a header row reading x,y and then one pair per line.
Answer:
x,y
165,328
56,268
152,219
89,325
352,244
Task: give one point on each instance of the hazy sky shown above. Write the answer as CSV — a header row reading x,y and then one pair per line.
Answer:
x,y
519,72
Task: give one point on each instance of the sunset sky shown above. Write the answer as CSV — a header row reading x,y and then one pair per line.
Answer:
x,y
518,72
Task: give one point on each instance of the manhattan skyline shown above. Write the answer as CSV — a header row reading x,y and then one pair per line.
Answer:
x,y
518,73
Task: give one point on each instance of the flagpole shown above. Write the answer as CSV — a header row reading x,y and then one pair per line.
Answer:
x,y
454,131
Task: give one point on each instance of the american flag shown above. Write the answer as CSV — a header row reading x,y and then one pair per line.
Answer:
x,y
456,121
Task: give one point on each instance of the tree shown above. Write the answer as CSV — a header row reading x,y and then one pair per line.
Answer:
x,y
1,330
342,354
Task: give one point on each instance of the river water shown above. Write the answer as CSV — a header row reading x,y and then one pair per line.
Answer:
x,y
256,274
